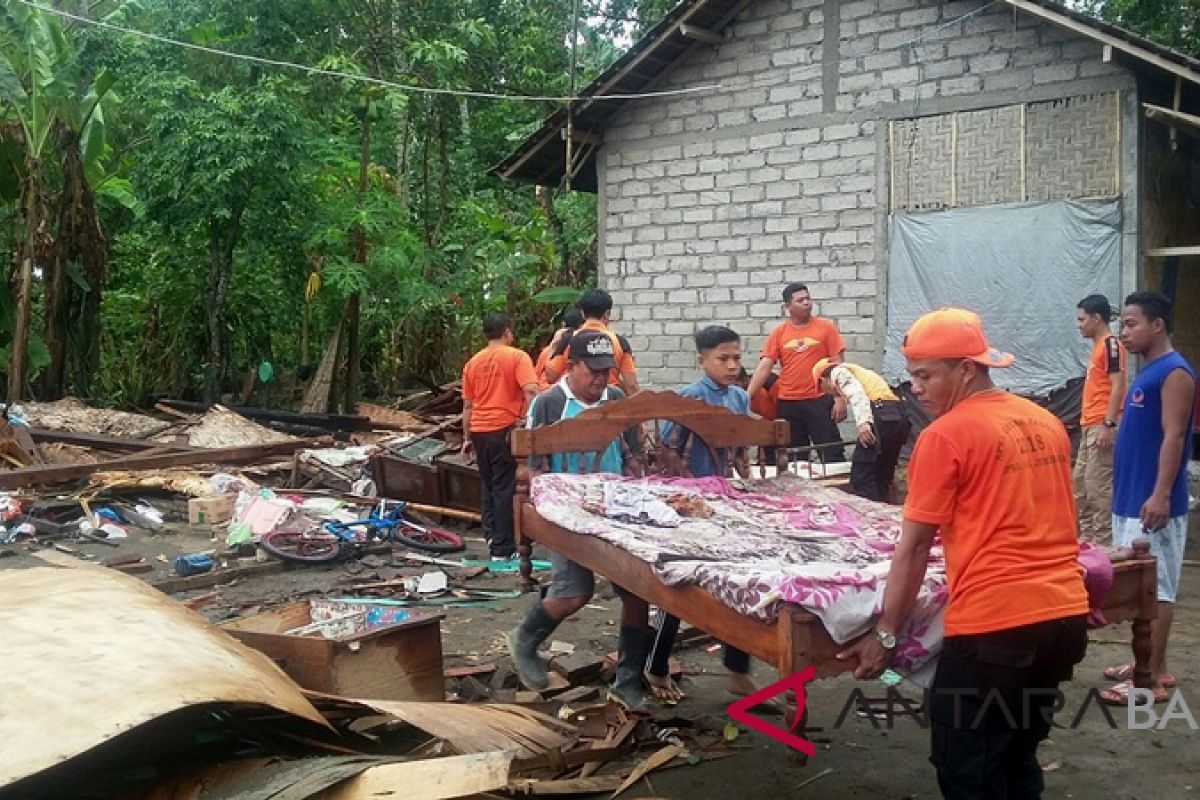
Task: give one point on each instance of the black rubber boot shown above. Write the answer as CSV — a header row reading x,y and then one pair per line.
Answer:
x,y
523,642
633,647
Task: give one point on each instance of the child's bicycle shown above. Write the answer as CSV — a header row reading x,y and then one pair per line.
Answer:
x,y
337,540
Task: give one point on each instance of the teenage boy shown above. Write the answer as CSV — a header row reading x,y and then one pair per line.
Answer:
x,y
797,344
878,415
719,356
584,385
1150,490
497,384
1103,392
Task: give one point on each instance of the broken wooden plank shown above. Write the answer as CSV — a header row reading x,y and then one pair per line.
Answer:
x,y
580,694
331,422
428,779
604,783
51,473
124,558
648,765
616,738
579,667
100,441
558,760
469,669
425,434
134,568
217,577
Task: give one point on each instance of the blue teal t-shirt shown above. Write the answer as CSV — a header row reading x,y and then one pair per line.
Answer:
x,y
1140,436
700,462
558,403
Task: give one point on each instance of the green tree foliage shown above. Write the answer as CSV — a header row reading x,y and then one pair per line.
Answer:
x,y
240,212
1174,23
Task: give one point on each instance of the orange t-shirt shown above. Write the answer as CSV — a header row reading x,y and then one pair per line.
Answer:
x,y
994,474
798,348
622,356
493,383
763,402
1108,359
539,368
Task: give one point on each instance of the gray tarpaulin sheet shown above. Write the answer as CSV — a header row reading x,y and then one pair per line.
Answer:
x,y
1022,268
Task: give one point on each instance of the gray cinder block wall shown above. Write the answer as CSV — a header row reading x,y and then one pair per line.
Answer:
x,y
710,203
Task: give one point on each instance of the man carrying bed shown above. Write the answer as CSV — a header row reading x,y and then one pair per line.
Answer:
x,y
991,476
584,385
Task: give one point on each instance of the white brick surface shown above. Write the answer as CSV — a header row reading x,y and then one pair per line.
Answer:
x,y
715,201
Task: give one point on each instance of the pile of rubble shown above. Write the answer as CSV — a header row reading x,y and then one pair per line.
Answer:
x,y
207,712
72,472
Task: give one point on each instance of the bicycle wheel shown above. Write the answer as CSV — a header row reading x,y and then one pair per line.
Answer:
x,y
431,540
303,547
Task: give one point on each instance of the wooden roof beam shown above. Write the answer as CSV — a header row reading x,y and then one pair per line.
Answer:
x,y
1164,252
583,137
1107,39
699,34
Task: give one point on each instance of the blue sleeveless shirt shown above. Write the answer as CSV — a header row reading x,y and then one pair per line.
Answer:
x,y
1135,459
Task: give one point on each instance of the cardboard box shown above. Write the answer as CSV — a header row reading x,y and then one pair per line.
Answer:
x,y
210,510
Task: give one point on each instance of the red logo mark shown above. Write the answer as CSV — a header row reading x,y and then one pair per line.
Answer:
x,y
740,711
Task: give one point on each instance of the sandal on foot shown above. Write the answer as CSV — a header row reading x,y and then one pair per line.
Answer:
x,y
663,689
1124,672
1118,694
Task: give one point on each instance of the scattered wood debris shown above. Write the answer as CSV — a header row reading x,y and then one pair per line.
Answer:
x,y
72,414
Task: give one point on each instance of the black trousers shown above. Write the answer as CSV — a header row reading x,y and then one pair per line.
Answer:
x,y
498,482
666,626
872,468
991,704
811,423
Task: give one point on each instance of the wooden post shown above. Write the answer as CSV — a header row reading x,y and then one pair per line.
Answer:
x,y
1141,644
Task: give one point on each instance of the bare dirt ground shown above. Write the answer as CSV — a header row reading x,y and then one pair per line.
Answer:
x,y
853,760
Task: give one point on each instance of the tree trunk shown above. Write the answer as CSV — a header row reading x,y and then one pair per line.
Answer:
x,y
31,191
72,324
403,195
545,199
222,239
354,306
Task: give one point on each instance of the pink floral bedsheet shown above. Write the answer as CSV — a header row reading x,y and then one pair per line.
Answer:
x,y
779,540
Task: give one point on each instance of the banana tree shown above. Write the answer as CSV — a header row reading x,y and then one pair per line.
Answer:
x,y
51,118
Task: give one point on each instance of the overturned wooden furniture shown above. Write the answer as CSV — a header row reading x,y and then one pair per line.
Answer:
x,y
797,638
396,659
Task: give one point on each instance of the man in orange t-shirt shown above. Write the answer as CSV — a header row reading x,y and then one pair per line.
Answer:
x,y
596,306
497,385
1103,394
797,344
991,475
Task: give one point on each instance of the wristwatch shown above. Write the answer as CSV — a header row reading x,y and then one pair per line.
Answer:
x,y
888,640
1110,423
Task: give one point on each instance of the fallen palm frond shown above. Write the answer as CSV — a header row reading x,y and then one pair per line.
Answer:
x,y
468,728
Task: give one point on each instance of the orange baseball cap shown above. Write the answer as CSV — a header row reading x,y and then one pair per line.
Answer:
x,y
819,369
952,333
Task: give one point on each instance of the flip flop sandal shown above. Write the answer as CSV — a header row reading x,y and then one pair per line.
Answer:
x,y
1124,672
1118,694
656,691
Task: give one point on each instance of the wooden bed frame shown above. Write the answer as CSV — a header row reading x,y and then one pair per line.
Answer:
x,y
796,638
